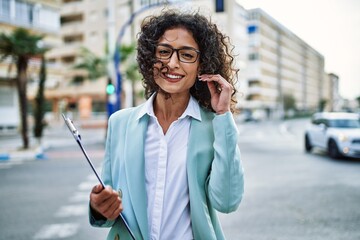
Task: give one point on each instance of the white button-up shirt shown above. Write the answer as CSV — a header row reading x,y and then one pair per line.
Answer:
x,y
167,189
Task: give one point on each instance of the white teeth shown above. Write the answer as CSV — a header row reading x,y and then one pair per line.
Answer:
x,y
173,76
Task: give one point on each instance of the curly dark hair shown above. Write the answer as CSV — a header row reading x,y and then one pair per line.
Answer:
x,y
215,52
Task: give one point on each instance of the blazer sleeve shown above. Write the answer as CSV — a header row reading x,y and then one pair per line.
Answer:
x,y
225,181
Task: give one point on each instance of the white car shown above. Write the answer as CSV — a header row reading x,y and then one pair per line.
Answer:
x,y
336,132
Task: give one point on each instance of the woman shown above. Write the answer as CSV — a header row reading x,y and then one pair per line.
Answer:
x,y
173,161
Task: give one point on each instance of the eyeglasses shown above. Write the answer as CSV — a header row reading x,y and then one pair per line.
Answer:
x,y
185,54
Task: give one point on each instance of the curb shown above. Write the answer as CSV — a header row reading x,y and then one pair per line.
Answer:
x,y
34,154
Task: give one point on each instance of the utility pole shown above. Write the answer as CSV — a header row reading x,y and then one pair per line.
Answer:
x,y
112,99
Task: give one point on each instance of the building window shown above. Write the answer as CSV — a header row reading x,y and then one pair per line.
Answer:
x,y
252,29
71,19
68,59
93,36
93,16
69,1
23,12
219,6
253,56
73,39
5,8
7,98
48,18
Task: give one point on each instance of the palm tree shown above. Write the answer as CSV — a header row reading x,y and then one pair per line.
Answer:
x,y
130,67
20,46
39,106
94,65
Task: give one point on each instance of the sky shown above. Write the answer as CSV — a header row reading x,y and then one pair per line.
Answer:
x,y
331,27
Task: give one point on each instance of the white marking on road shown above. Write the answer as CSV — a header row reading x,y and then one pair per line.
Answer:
x,y
10,163
92,177
72,210
259,135
80,197
5,166
86,186
55,231
284,130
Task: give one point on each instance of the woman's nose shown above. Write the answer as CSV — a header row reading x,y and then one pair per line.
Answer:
x,y
174,60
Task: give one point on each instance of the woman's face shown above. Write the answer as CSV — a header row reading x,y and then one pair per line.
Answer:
x,y
181,65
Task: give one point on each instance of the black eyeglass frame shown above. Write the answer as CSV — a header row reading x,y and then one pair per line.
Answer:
x,y
177,52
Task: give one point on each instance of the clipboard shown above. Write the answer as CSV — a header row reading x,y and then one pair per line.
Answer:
x,y
75,133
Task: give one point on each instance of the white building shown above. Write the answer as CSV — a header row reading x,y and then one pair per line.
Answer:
x,y
40,17
280,66
274,63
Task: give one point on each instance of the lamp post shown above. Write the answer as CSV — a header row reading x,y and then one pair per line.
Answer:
x,y
114,53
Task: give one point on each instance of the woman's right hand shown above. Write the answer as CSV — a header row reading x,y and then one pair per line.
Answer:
x,y
105,202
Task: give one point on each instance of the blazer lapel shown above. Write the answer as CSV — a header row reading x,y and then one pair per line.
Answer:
x,y
200,138
135,169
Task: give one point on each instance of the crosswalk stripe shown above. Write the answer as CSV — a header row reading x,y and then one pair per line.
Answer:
x,y
10,163
72,210
80,197
65,230
86,186
54,231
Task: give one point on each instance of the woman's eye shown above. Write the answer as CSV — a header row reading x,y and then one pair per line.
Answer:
x,y
187,55
164,52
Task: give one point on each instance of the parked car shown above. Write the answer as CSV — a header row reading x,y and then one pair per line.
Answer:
x,y
336,132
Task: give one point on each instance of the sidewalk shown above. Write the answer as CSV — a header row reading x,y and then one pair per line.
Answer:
x,y
56,135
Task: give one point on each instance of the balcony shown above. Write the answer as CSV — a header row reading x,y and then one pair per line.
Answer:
x,y
71,28
254,90
27,15
72,7
66,50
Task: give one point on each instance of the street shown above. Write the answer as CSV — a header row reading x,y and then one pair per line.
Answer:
x,y
289,194
48,199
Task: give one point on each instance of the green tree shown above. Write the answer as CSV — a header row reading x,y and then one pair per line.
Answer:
x,y
322,104
289,102
94,66
358,101
130,67
20,46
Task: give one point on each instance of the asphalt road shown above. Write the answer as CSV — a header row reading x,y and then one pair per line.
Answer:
x,y
288,194
48,199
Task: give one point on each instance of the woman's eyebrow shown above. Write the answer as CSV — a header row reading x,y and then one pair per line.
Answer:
x,y
182,47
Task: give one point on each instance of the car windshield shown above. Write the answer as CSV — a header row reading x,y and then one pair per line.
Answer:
x,y
344,123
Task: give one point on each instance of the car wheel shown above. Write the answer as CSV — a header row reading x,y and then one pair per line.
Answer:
x,y
333,149
308,146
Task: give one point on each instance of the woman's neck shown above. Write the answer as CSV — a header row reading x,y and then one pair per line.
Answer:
x,y
168,110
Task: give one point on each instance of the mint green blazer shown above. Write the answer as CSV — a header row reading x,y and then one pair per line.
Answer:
x,y
214,170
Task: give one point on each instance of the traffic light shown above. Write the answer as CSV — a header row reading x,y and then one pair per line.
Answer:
x,y
110,88
219,6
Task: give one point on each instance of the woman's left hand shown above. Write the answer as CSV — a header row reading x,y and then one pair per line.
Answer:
x,y
221,95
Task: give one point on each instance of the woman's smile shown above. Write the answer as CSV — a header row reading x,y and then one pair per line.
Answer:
x,y
172,77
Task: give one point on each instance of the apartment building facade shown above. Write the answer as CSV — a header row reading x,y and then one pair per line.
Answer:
x,y
96,25
281,66
274,63
40,17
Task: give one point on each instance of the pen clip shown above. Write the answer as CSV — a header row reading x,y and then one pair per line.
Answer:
x,y
71,127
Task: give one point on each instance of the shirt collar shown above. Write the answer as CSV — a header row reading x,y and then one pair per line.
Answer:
x,y
192,109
